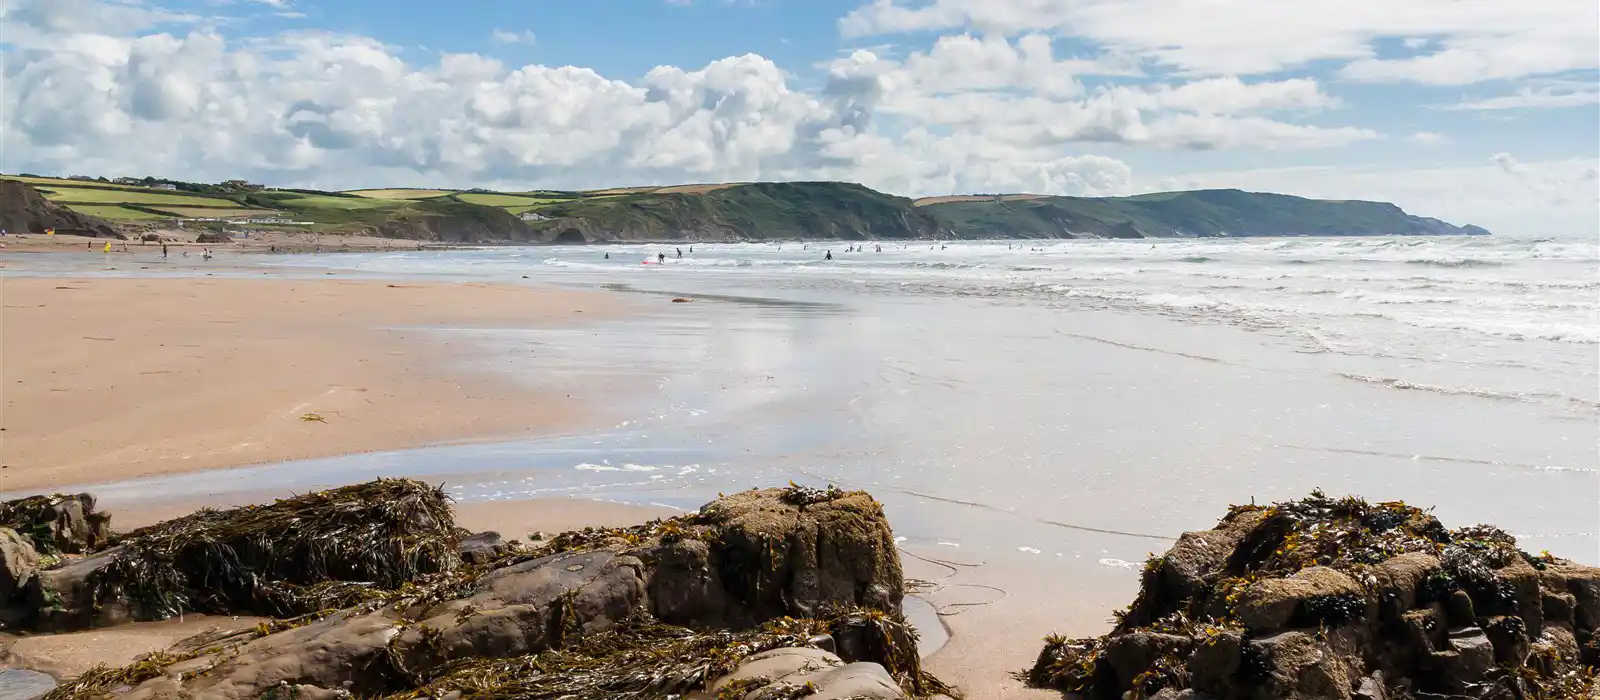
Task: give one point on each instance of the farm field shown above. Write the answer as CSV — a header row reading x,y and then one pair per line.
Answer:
x,y
497,200
115,213
97,195
400,193
202,212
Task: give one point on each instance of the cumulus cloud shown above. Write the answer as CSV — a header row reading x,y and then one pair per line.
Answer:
x,y
335,110
1461,41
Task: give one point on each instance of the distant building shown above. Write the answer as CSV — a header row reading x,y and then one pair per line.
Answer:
x,y
127,181
166,186
242,184
531,216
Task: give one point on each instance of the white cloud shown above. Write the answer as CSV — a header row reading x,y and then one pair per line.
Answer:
x,y
504,36
322,109
1554,95
1427,138
1506,196
1468,40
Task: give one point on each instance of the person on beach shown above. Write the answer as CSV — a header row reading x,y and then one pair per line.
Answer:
x,y
680,253
163,251
829,256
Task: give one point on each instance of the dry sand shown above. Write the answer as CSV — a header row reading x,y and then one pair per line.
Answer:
x,y
68,655
109,379
179,240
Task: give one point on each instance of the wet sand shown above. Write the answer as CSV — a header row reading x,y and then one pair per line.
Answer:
x,y
117,378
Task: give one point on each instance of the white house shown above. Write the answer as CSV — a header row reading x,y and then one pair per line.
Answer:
x,y
531,216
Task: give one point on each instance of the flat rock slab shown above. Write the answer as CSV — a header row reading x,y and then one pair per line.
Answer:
x,y
18,684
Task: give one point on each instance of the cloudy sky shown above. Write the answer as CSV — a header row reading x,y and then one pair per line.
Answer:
x,y
1475,111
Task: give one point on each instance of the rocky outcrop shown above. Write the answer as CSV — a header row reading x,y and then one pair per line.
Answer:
x,y
58,524
1325,598
24,210
756,595
19,564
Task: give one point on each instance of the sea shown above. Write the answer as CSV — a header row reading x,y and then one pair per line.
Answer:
x,y
1058,407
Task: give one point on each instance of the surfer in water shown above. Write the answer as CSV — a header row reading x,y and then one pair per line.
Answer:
x,y
661,257
829,256
680,253
608,256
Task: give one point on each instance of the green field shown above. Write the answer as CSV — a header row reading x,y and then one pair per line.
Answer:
x,y
115,212
209,212
313,201
497,200
400,193
95,195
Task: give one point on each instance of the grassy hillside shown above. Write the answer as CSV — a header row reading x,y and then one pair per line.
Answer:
x,y
1196,213
736,211
755,211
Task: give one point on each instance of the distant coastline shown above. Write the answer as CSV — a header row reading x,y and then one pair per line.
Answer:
x,y
758,211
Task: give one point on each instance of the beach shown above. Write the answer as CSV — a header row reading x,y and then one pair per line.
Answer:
x,y
1035,423
116,378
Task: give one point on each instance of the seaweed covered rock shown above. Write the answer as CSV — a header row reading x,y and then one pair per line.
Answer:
x,y
19,563
760,554
58,524
1341,598
297,555
575,617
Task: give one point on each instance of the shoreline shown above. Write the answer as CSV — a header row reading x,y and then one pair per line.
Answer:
x,y
110,379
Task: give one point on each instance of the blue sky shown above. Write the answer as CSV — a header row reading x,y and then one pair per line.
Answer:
x,y
1471,110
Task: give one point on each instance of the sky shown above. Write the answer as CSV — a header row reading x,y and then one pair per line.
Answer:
x,y
1473,111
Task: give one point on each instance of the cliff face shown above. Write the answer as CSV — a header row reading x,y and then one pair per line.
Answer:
x,y
757,211
24,210
1197,213
456,222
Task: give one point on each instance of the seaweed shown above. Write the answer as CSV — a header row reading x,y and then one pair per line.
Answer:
x,y
321,550
643,658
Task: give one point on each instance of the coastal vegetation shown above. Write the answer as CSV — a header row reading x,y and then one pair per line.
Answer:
x,y
736,211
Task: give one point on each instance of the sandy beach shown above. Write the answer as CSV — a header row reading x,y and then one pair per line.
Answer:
x,y
109,379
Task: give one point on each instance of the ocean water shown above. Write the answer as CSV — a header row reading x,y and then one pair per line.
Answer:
x,y
1064,406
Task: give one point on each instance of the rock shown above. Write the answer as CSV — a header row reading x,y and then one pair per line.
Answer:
x,y
1271,605
1183,573
1399,579
1371,688
1131,654
58,524
213,237
526,608
1559,608
768,674
1463,666
1509,635
1297,666
340,653
1583,582
19,684
1458,609
1215,661
482,548
19,562
65,598
769,556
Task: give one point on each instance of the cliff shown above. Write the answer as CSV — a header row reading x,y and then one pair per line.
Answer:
x,y
24,210
1164,214
755,211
